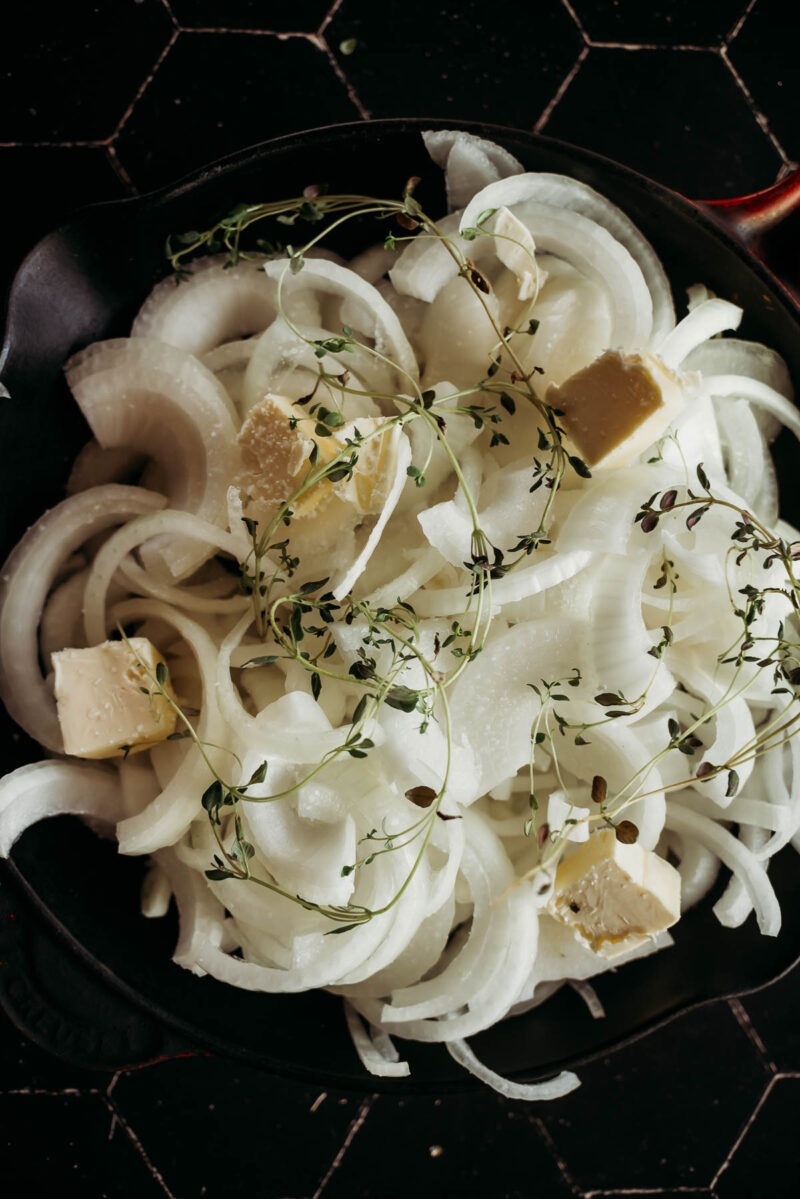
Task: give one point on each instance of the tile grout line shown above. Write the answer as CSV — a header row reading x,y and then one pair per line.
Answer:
x,y
747,1027
120,1119
756,111
91,145
554,1152
549,108
676,1190
566,4
329,15
168,6
53,1094
144,86
648,46
355,1125
283,35
352,94
743,1133
118,168
736,30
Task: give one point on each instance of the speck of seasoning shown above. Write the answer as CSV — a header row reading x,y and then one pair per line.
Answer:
x,y
435,1150
627,832
574,907
599,788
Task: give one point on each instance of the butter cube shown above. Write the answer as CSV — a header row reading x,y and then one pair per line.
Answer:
x,y
617,406
275,442
615,896
102,707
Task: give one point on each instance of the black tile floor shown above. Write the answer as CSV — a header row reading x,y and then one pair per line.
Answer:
x,y
106,98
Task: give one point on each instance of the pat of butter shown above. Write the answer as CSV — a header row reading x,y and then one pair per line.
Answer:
x,y
614,895
275,441
617,406
101,705
375,466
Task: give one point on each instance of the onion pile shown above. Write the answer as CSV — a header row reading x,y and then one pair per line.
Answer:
x,y
399,687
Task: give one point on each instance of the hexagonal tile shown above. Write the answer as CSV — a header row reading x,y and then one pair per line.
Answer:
x,y
456,59
71,75
765,1163
773,1015
223,1106
765,54
216,93
656,1113
472,1146
301,16
678,117
664,23
73,1155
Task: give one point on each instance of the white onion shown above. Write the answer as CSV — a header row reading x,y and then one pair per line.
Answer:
x,y
469,162
162,401
561,192
737,857
31,793
216,304
554,1088
26,579
706,320
363,307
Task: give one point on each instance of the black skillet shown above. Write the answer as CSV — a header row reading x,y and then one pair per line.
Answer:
x,y
81,971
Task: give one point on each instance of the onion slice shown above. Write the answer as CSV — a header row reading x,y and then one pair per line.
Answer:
x,y
43,789
164,402
26,579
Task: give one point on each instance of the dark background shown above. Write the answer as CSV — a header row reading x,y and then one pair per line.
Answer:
x,y
109,98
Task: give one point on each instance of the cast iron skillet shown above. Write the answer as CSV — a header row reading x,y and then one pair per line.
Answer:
x,y
86,975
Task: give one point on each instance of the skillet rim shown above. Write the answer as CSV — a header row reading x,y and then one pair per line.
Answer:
x,y
367,130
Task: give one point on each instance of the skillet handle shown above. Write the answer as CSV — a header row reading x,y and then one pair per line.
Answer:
x,y
768,223
64,1007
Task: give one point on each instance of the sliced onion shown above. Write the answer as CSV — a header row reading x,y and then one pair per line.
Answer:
x,y
285,364
553,1088
44,789
759,394
589,997
731,356
201,915
706,320
469,162
363,309
598,256
62,624
216,304
96,466
162,401
169,523
229,363
399,454
373,263
168,816
28,575
376,1053
519,584
563,193
736,857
